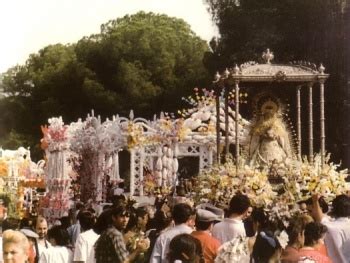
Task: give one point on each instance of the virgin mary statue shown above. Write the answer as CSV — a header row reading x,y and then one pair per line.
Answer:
x,y
269,138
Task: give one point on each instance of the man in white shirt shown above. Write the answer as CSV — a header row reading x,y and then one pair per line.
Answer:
x,y
84,251
337,238
184,219
41,229
233,225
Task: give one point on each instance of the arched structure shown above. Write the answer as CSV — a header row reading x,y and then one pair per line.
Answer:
x,y
300,73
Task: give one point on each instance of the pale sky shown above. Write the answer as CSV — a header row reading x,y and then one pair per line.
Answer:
x,y
26,26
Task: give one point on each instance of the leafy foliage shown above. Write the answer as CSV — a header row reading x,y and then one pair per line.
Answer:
x,y
145,62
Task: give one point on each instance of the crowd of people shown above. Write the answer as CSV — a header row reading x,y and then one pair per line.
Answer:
x,y
176,231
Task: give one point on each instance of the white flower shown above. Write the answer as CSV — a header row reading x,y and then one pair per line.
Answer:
x,y
235,251
283,239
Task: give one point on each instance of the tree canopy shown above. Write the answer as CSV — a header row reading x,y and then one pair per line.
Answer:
x,y
145,62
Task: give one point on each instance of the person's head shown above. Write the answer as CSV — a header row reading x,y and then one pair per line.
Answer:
x,y
103,221
266,248
138,219
259,218
205,220
249,212
120,217
58,236
183,213
186,249
313,233
15,247
65,221
79,206
295,232
142,217
86,220
322,202
10,223
239,205
341,206
161,220
41,227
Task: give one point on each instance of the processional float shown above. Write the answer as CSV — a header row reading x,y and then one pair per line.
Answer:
x,y
302,74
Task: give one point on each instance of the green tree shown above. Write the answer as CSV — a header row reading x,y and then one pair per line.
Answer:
x,y
149,60
145,62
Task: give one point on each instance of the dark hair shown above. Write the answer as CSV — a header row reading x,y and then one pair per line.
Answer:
x,y
201,225
103,221
160,221
239,204
259,216
182,213
323,204
86,220
134,216
120,210
313,232
265,247
10,223
65,221
341,206
79,206
296,227
186,248
25,223
60,235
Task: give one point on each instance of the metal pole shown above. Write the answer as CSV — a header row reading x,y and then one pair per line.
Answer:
x,y
299,123
311,135
322,124
217,99
227,142
237,124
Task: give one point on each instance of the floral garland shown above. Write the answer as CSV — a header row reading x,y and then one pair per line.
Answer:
x,y
300,179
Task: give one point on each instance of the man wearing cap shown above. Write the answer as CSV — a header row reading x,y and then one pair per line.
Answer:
x,y
204,225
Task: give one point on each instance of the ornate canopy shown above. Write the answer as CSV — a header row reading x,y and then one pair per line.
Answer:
x,y
297,71
294,72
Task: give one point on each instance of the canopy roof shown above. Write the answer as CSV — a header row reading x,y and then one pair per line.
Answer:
x,y
267,72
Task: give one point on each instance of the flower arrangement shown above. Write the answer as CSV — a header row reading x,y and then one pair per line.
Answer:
x,y
55,136
235,251
300,179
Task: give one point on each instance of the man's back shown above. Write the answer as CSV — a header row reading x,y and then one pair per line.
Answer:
x,y
110,247
210,245
228,229
84,247
161,247
337,239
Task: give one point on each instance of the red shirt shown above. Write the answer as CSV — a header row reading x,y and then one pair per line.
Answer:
x,y
315,255
210,245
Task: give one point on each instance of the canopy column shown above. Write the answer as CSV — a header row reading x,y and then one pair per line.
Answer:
x,y
311,131
237,122
322,124
217,102
299,122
